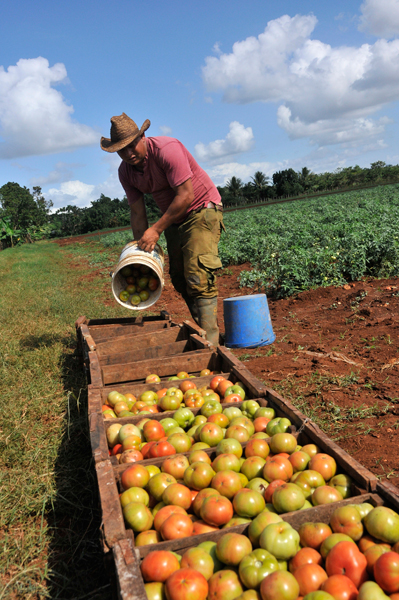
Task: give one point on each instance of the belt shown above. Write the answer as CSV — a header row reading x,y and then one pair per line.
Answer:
x,y
208,205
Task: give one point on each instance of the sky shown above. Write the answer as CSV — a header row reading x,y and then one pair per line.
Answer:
x,y
246,86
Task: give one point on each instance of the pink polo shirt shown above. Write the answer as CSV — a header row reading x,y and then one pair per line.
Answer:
x,y
167,164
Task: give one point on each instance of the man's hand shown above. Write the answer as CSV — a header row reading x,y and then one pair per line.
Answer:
x,y
148,240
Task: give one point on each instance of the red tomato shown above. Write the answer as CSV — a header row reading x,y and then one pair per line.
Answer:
x,y
345,558
340,587
116,450
305,556
177,495
153,430
312,535
271,487
309,577
159,565
202,527
278,467
177,526
186,584
216,510
215,381
386,572
161,448
135,476
323,464
233,398
164,513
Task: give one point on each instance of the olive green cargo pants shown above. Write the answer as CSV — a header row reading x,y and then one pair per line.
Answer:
x,y
193,253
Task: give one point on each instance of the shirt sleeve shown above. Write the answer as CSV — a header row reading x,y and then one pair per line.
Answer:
x,y
132,193
174,162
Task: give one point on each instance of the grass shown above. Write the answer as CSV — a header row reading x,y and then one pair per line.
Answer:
x,y
49,520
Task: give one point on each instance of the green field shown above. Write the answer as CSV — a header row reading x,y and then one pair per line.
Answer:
x,y
49,518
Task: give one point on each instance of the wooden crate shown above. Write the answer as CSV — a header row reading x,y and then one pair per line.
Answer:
x,y
109,476
107,338
127,558
98,425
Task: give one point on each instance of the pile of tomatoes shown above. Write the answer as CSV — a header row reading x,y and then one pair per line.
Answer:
x,y
354,557
140,282
185,393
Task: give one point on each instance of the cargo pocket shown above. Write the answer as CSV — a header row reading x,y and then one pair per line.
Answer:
x,y
210,263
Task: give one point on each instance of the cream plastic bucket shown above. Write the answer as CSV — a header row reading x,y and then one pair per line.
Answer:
x,y
134,256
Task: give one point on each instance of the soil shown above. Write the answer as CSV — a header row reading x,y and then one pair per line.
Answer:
x,y
335,357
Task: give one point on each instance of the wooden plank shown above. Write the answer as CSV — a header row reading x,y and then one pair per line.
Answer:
x,y
94,399
102,334
199,342
189,362
228,359
112,517
130,584
276,401
353,468
163,316
79,321
389,492
252,383
145,353
164,336
98,437
194,328
95,370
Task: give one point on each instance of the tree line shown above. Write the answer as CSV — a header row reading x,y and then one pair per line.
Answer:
x,y
26,216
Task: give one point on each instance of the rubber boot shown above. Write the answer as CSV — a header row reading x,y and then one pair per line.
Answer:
x,y
192,307
207,311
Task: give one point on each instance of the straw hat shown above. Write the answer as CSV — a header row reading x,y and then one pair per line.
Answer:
x,y
123,131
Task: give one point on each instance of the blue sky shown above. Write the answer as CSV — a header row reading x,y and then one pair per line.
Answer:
x,y
246,86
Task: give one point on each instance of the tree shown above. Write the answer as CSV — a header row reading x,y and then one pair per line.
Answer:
x,y
287,183
24,209
234,188
260,185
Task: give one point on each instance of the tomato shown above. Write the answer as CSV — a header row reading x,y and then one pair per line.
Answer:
x,y
386,572
309,577
199,456
340,587
135,476
347,519
198,475
222,386
346,559
147,537
175,466
177,526
224,585
202,527
323,464
305,556
278,468
130,456
200,497
237,432
164,513
178,495
256,447
372,554
312,535
216,510
280,585
269,491
158,484
219,419
198,559
215,381
138,516
194,401
161,448
227,483
226,462
232,548
233,398
159,565
248,503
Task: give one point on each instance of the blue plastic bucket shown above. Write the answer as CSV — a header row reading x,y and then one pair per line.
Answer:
x,y
247,322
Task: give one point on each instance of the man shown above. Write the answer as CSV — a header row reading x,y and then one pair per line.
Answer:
x,y
191,212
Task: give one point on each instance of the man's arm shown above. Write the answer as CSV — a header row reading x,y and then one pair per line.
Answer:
x,y
176,211
138,218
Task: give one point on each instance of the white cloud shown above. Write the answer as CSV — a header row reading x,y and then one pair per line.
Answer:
x,y
220,174
165,130
380,17
326,93
239,139
35,118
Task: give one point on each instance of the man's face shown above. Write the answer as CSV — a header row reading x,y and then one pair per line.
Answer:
x,y
135,153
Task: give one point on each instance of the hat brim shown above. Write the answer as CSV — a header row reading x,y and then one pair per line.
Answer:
x,y
109,146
